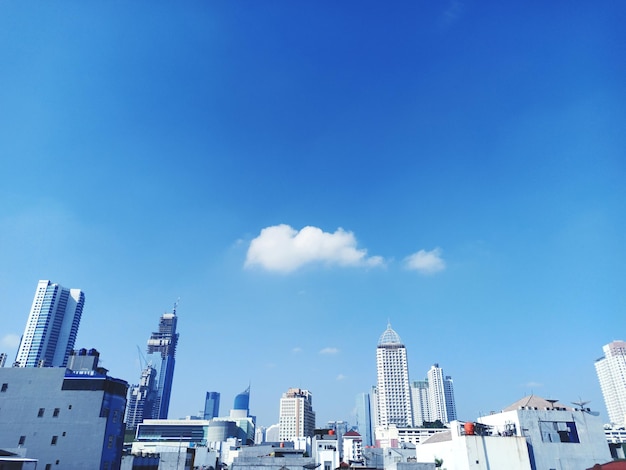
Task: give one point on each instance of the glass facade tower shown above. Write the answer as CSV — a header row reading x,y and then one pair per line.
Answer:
x,y
212,405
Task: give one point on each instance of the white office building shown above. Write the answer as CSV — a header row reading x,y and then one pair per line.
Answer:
x,y
52,326
611,370
297,418
393,390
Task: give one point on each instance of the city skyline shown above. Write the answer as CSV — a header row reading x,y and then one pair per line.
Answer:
x,y
299,174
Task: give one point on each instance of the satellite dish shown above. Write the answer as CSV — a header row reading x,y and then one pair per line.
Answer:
x,y
552,401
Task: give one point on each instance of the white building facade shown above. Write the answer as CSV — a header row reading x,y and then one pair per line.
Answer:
x,y
611,370
393,389
52,326
440,396
557,436
297,418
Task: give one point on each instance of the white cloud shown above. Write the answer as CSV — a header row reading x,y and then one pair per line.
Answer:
x,y
329,351
296,350
533,385
10,341
284,249
341,377
426,262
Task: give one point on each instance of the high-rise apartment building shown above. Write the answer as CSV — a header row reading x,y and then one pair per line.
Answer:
x,y
164,342
440,396
419,397
52,326
611,370
393,390
297,418
433,398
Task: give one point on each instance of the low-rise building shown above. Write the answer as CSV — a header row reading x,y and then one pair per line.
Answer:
x,y
65,418
557,436
460,450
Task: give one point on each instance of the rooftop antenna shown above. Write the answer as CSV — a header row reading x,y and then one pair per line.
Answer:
x,y
581,407
176,306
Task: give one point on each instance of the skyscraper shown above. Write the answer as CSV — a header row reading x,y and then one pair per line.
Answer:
x,y
142,398
394,394
242,403
440,396
52,326
297,418
211,405
150,399
611,370
364,417
164,342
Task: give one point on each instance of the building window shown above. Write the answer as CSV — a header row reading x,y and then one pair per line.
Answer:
x,y
69,407
4,387
559,431
110,443
57,462
63,434
40,412
55,414
48,466
54,440
21,441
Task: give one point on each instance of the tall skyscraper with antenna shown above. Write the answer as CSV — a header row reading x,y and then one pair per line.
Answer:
x,y
52,326
393,389
164,342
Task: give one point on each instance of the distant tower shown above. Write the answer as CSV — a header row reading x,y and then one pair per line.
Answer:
x,y
52,326
164,342
394,394
211,405
364,418
441,404
419,397
297,418
611,370
142,398
241,405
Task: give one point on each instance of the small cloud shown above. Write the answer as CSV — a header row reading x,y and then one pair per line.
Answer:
x,y
296,350
282,248
329,351
10,341
453,12
533,385
426,262
341,377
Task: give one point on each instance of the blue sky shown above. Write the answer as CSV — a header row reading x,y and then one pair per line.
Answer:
x,y
300,173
